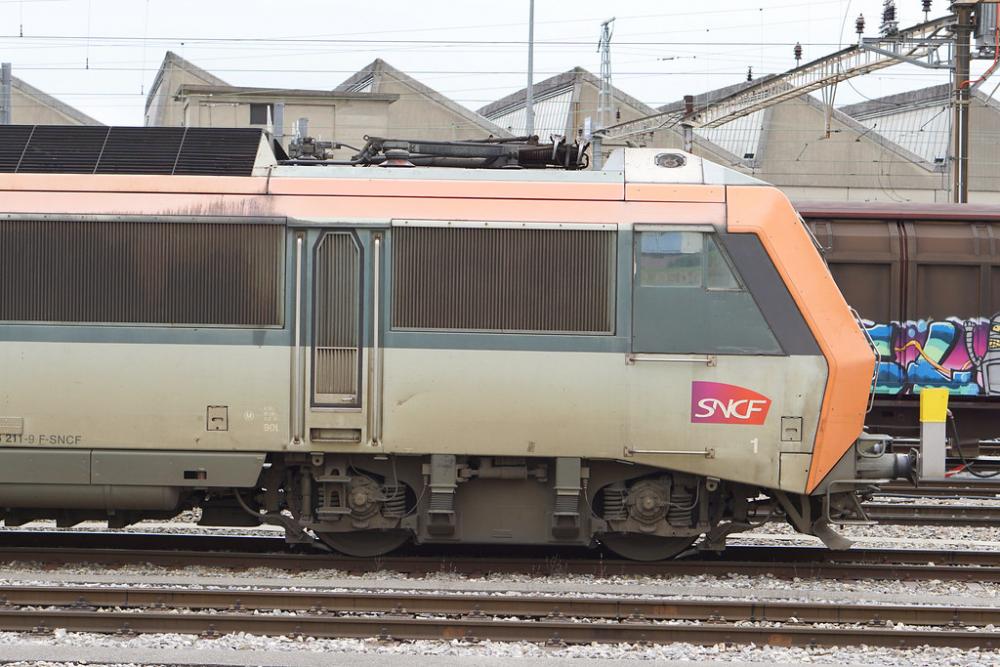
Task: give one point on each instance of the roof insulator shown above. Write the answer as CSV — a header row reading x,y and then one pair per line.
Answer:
x,y
798,52
859,25
749,72
889,25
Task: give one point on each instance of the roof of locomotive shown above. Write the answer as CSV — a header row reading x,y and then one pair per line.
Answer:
x,y
628,165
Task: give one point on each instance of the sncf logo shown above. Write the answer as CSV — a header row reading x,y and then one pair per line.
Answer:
x,y
718,403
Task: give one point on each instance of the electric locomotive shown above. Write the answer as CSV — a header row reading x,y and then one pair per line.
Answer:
x,y
436,343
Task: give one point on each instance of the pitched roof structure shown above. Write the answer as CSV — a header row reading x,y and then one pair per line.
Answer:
x,y
560,104
173,61
42,99
280,93
381,77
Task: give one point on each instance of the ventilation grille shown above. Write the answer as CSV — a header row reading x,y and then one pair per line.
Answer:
x,y
524,280
68,149
337,345
138,272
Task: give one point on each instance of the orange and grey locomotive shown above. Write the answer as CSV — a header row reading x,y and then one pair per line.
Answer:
x,y
639,356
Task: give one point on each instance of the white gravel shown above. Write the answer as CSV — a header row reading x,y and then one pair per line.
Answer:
x,y
177,644
733,586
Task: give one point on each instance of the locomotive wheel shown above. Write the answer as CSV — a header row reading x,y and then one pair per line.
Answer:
x,y
366,543
645,547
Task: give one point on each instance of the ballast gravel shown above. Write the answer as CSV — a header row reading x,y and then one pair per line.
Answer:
x,y
737,584
247,647
63,648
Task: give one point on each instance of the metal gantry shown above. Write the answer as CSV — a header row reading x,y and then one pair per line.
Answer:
x,y
920,45
605,100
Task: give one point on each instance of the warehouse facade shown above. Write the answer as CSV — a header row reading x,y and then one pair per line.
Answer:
x,y
31,106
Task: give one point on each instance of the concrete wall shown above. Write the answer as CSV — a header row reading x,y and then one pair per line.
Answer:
x,y
26,110
984,147
30,106
586,105
163,110
415,115
796,152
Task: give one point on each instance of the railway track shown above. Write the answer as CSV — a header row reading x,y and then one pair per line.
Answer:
x,y
950,488
551,619
242,553
934,515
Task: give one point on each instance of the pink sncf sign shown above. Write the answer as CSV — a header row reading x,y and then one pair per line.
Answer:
x,y
718,403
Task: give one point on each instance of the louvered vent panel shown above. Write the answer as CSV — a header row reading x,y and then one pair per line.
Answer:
x,y
212,151
13,139
66,149
141,150
63,149
527,280
338,313
139,272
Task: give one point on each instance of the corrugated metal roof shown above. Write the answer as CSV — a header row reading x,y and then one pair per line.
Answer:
x,y
741,137
923,130
83,149
551,115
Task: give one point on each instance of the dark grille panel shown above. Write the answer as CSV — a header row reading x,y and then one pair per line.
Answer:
x,y
503,279
221,152
70,149
139,272
141,150
13,139
64,149
338,299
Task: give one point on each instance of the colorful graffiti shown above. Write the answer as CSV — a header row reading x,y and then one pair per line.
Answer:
x,y
962,355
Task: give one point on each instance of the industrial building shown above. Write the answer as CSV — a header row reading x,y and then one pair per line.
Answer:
x,y
379,100
890,149
31,106
919,121
895,148
419,111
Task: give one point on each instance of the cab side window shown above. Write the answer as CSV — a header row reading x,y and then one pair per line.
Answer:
x,y
683,259
688,298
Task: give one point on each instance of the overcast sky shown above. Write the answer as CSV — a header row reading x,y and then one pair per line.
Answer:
x,y
473,51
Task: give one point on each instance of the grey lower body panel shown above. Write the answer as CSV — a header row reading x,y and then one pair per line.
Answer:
x,y
117,479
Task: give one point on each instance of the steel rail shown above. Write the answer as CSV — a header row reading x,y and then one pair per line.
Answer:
x,y
241,553
480,604
951,487
473,628
934,515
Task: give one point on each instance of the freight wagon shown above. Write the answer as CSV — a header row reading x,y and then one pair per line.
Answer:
x,y
926,280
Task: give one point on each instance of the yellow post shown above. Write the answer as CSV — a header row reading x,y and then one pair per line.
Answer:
x,y
934,404
933,414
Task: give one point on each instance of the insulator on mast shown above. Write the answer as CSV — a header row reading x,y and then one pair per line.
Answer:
x,y
926,7
798,52
889,24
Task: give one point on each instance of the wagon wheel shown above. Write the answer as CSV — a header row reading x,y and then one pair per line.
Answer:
x,y
366,543
645,547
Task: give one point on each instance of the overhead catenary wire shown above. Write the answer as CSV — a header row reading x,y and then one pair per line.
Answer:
x,y
240,47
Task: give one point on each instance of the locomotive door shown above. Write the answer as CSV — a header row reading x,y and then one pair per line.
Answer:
x,y
339,359
336,352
